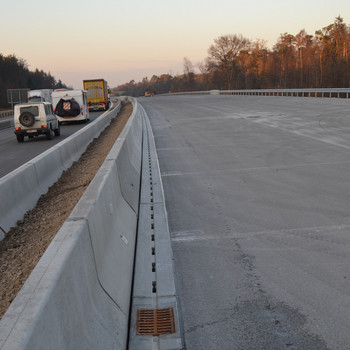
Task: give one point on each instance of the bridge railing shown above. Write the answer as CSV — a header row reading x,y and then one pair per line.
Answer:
x,y
330,93
320,92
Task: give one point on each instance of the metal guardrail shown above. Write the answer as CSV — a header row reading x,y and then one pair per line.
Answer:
x,y
330,93
323,93
8,113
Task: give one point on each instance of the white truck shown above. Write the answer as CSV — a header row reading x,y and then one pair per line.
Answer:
x,y
70,105
43,95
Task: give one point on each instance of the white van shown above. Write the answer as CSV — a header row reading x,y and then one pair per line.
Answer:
x,y
70,105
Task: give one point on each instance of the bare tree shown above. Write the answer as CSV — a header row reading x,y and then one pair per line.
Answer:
x,y
207,70
225,51
301,41
188,66
285,55
189,73
334,53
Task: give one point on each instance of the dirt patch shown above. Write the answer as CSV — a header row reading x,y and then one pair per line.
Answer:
x,y
24,245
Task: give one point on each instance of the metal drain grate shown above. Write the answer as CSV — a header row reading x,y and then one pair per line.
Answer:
x,y
155,321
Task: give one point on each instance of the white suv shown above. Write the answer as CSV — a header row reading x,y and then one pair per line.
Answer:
x,y
34,119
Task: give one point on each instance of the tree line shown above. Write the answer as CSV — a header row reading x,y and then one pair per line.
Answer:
x,y
14,74
321,60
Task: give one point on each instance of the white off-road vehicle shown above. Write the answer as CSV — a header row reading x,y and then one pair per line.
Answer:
x,y
34,119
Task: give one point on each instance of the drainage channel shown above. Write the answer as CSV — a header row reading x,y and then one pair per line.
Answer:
x,y
154,320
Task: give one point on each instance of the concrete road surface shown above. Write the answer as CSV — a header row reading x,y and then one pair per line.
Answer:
x,y
258,198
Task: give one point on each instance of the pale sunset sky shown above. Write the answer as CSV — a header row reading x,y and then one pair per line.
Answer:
x,y
129,40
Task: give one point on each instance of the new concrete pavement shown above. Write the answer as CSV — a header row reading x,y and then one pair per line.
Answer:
x,y
257,191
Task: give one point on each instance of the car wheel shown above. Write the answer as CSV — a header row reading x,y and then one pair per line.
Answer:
x,y
49,135
20,138
57,131
27,119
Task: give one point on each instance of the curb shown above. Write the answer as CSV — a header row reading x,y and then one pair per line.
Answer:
x,y
154,282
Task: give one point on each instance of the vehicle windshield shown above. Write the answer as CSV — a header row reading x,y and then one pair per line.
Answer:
x,y
35,99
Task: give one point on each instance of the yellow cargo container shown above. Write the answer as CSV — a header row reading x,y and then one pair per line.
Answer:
x,y
97,94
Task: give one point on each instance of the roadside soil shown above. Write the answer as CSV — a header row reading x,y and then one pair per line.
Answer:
x,y
24,245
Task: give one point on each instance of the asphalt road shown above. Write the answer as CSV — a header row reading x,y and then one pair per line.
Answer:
x,y
14,154
258,196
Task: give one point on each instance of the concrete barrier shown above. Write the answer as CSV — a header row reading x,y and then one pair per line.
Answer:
x,y
27,183
48,169
63,305
19,192
5,122
128,161
79,294
8,123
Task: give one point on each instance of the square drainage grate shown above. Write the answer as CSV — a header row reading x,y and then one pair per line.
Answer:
x,y
155,321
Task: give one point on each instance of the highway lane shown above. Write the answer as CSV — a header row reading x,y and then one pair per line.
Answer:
x,y
258,195
14,154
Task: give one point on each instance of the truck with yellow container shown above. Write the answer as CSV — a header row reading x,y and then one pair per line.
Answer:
x,y
97,94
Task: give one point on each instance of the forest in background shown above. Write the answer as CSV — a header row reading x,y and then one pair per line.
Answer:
x,y
14,74
321,60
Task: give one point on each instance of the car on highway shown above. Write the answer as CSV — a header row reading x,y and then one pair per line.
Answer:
x,y
34,119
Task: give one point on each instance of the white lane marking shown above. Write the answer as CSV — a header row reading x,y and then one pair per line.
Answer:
x,y
199,235
279,167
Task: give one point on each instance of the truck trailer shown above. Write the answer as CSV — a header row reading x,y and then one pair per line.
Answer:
x,y
97,94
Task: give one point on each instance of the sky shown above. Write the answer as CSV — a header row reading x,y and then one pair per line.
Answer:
x,y
128,40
